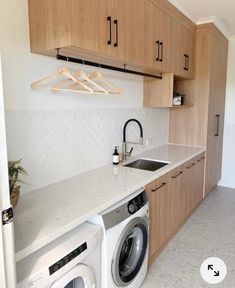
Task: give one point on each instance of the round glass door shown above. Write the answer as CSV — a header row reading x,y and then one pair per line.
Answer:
x,y
81,276
76,283
130,253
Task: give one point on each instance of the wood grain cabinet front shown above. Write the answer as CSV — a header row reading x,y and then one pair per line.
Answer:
x,y
98,26
172,199
159,196
111,28
120,32
203,124
157,35
194,181
182,42
178,194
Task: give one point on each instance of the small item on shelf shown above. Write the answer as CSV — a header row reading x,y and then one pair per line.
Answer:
x,y
178,99
116,156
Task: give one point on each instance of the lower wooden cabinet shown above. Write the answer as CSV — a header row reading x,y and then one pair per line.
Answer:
x,y
160,210
194,182
172,198
178,197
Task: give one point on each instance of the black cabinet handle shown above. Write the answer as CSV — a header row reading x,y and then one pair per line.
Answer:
x,y
109,19
187,62
217,117
159,187
158,50
190,166
116,24
161,46
200,159
177,175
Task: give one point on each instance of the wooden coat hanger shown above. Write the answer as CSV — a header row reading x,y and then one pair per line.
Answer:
x,y
84,78
62,71
61,86
96,75
77,87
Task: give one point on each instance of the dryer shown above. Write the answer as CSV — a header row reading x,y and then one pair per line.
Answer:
x,y
71,261
125,244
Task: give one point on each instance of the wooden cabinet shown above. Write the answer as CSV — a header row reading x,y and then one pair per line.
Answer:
x,y
182,43
199,178
118,32
172,198
194,182
216,113
202,125
178,194
93,27
156,44
107,27
134,31
159,196
159,92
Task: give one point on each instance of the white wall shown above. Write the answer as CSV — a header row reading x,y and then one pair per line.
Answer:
x,y
61,134
228,170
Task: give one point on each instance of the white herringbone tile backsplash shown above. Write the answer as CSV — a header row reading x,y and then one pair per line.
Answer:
x,y
56,145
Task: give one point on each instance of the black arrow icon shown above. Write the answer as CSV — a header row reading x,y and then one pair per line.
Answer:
x,y
216,273
210,267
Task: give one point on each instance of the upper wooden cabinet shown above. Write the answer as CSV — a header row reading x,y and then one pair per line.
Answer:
x,y
94,26
134,30
121,32
157,36
85,28
182,47
98,26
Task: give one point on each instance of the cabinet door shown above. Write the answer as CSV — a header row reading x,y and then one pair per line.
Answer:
x,y
199,178
194,182
182,43
216,113
187,53
159,205
134,31
97,26
157,33
190,186
178,202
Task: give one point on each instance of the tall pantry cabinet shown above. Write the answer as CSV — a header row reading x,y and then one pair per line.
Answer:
x,y
203,123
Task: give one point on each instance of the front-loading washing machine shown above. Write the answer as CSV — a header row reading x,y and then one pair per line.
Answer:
x,y
125,244
71,261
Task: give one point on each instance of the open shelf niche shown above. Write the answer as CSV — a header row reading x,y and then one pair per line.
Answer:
x,y
159,93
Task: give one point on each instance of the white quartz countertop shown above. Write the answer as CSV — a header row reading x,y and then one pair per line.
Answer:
x,y
47,213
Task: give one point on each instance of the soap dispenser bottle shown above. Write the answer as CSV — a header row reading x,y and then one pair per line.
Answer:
x,y
115,156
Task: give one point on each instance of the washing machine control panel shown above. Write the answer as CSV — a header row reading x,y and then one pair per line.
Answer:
x,y
65,260
137,203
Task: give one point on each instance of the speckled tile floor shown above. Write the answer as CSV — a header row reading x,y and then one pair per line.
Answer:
x,y
210,232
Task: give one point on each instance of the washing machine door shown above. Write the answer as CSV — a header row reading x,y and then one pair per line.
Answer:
x,y
81,276
130,252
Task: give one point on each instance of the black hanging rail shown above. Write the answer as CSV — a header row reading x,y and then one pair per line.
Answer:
x,y
94,64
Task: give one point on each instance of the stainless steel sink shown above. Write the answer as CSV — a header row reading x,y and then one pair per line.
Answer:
x,y
145,164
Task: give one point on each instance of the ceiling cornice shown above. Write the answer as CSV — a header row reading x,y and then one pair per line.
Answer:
x,y
187,11
217,22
